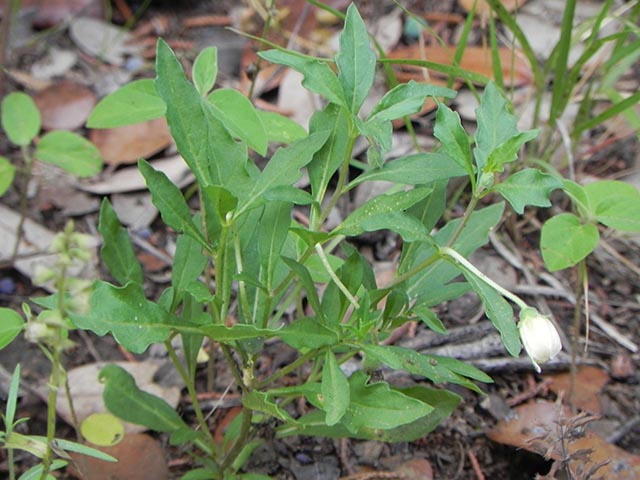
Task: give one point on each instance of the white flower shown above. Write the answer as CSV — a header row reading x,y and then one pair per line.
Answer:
x,y
539,337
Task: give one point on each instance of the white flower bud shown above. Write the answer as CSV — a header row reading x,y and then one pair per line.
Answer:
x,y
539,337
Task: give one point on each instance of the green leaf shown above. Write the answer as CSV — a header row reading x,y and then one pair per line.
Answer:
x,y
499,312
69,446
444,404
334,388
203,141
289,194
615,204
318,76
283,169
438,369
259,401
578,197
240,331
431,282
405,225
205,70
380,205
528,187
12,400
117,250
565,240
136,102
188,263
356,61
240,118
134,321
496,124
305,277
455,141
71,152
20,118
170,202
272,231
7,174
507,151
414,170
430,319
35,472
124,399
281,129
308,333
11,324
407,99
378,406
328,159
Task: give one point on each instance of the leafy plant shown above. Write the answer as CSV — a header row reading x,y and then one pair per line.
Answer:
x,y
20,120
265,262
49,330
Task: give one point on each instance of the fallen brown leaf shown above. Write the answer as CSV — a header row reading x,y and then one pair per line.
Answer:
x,y
140,457
587,386
515,69
536,427
65,105
124,145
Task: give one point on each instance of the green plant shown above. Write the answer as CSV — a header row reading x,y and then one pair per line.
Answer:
x,y
265,262
20,120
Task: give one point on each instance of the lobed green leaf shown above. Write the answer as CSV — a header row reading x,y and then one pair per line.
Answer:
x,y
528,187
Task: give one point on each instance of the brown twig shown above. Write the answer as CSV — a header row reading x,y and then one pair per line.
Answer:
x,y
475,465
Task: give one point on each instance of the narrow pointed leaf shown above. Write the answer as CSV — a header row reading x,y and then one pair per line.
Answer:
x,y
117,250
124,399
455,141
356,61
407,99
205,70
383,204
170,202
335,389
414,170
239,116
283,168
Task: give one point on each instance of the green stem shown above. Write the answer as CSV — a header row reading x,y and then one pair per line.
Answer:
x,y
243,436
342,179
463,262
471,206
188,381
54,383
334,277
287,369
24,187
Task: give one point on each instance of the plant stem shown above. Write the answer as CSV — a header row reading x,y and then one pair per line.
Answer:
x,y
243,436
463,262
188,381
287,369
54,383
26,178
334,277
